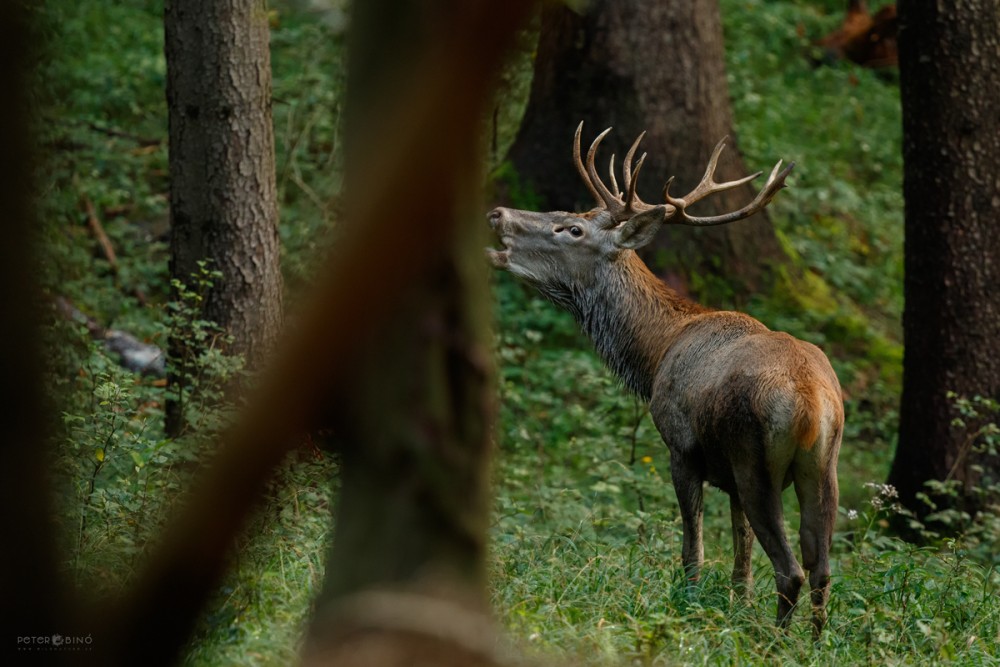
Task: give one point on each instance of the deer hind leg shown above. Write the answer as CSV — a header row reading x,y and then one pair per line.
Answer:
x,y
742,549
689,488
818,497
761,500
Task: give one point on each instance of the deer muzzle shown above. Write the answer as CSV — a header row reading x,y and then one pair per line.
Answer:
x,y
498,258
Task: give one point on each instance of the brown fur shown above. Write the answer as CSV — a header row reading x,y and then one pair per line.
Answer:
x,y
807,408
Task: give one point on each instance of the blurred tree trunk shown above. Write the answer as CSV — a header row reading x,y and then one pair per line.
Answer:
x,y
32,589
223,205
950,86
655,66
406,577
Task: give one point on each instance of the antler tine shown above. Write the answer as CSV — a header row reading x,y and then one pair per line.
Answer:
x,y
578,160
708,186
632,201
627,165
614,184
609,200
775,182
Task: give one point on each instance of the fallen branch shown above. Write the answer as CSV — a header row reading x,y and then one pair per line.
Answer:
x,y
119,134
94,223
102,237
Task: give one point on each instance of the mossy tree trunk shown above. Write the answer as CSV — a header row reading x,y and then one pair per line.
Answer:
x,y
223,200
950,87
654,66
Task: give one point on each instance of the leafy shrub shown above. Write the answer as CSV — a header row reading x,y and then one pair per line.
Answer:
x,y
204,376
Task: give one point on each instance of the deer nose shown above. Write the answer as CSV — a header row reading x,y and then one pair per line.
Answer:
x,y
495,216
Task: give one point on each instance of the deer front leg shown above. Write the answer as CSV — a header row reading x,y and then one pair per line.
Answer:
x,y
689,489
742,549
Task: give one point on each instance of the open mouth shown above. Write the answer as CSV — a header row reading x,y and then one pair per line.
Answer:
x,y
499,258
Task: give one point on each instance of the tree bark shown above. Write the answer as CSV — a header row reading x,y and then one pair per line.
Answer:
x,y
654,66
223,201
950,88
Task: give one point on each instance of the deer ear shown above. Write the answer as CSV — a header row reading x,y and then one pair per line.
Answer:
x,y
640,229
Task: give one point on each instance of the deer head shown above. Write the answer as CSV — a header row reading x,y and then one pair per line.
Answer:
x,y
563,249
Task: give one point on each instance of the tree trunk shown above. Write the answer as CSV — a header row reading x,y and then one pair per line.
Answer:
x,y
223,204
950,87
655,66
419,401
35,595
406,577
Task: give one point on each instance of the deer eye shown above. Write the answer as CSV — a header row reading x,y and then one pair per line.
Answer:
x,y
575,231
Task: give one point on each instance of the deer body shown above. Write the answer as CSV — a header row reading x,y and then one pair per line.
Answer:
x,y
747,409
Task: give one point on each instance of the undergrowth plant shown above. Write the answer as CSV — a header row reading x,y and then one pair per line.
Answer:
x,y
116,467
949,500
123,471
204,377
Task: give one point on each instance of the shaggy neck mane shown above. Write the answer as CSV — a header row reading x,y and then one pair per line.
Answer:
x,y
632,317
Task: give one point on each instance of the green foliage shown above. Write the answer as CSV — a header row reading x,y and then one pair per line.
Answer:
x,y
586,532
203,375
116,468
308,71
122,479
102,113
122,472
949,499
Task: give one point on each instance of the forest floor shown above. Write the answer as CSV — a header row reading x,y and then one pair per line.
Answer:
x,y
585,556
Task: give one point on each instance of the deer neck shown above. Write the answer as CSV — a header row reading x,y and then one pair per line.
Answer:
x,y
632,317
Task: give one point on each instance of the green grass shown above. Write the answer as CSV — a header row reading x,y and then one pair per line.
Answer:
x,y
586,533
586,547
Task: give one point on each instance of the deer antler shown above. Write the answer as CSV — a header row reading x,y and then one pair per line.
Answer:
x,y
620,209
708,186
623,209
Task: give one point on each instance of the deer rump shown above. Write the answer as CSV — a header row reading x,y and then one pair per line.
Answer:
x,y
722,402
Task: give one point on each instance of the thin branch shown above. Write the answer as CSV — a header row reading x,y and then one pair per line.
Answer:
x,y
121,134
102,237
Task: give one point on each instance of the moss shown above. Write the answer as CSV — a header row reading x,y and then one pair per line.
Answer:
x,y
807,306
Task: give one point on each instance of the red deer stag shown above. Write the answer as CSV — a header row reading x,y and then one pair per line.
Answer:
x,y
747,409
